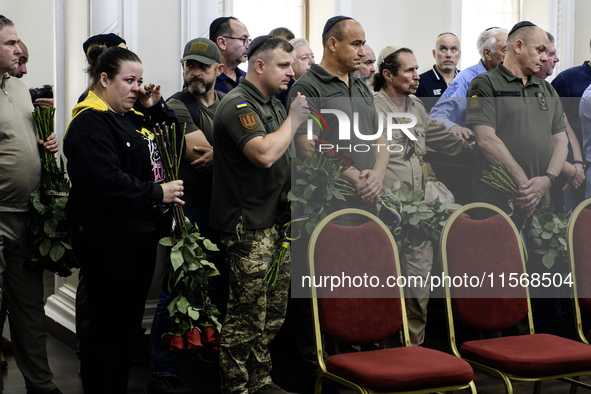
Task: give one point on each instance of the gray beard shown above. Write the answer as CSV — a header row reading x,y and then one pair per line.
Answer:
x,y
197,91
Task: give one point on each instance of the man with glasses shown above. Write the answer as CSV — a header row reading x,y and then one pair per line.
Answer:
x,y
232,39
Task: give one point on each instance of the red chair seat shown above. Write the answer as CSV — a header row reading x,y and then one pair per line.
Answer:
x,y
530,356
401,369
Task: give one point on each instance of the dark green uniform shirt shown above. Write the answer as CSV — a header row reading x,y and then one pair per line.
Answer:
x,y
525,117
197,185
326,91
239,187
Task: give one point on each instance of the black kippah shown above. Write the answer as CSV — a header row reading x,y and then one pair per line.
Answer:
x,y
519,25
109,40
333,21
255,44
215,25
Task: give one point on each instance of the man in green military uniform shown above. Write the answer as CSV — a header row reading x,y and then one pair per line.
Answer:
x,y
331,85
517,120
252,134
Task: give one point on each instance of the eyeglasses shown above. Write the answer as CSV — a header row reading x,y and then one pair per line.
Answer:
x,y
245,41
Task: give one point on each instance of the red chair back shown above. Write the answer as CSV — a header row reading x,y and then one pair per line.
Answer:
x,y
356,314
486,249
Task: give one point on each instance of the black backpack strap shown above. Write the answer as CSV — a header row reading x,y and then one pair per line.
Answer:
x,y
191,104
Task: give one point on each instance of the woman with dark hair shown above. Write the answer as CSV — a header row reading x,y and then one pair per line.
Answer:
x,y
115,208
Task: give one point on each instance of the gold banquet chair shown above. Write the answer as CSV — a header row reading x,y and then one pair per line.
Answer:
x,y
489,249
579,253
345,315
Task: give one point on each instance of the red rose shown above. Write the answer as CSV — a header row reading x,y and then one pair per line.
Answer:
x,y
212,338
193,338
176,343
347,160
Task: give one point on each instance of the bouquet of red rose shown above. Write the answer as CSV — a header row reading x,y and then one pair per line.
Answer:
x,y
194,323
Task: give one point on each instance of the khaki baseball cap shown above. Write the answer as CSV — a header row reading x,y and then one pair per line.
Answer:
x,y
202,50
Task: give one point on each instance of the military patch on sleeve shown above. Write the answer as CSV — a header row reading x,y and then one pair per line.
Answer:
x,y
249,120
542,101
241,104
473,102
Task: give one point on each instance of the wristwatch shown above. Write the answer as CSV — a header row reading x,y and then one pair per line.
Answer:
x,y
553,178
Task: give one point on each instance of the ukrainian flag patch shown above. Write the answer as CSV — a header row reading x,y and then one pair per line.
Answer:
x,y
241,104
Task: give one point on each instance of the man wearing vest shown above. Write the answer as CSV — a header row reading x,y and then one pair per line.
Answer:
x,y
194,106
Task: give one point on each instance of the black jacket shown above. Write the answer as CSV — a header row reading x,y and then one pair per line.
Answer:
x,y
114,167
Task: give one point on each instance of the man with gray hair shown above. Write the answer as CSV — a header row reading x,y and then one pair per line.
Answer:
x,y
304,57
451,107
367,67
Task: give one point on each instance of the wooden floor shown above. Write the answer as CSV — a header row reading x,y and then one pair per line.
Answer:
x,y
203,377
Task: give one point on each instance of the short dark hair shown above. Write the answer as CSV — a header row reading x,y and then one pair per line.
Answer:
x,y
223,30
390,63
4,22
282,32
107,60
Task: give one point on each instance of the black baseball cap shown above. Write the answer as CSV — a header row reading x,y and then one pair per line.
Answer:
x,y
215,25
519,25
333,21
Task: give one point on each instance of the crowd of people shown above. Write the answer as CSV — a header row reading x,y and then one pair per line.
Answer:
x,y
241,127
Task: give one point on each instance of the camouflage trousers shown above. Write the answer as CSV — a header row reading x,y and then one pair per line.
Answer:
x,y
255,313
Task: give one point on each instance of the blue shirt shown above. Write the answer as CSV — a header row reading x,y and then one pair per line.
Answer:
x,y
451,107
222,81
585,116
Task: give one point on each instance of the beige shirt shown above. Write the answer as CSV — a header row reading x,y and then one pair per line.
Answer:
x,y
20,166
428,131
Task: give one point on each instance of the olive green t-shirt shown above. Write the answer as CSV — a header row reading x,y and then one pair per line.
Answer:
x,y
197,184
325,91
240,188
525,117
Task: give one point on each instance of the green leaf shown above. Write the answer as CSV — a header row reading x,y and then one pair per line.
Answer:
x,y
57,252
66,245
176,259
183,304
193,313
207,244
50,225
188,254
338,195
546,235
166,241
549,259
44,247
172,308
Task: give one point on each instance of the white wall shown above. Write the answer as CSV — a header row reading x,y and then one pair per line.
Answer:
x,y
36,30
582,32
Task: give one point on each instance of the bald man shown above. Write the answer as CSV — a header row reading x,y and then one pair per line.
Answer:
x,y
434,82
528,135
